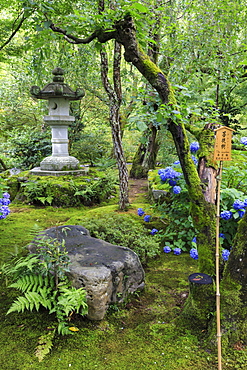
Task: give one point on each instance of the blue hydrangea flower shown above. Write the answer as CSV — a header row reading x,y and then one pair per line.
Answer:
x,y
4,201
4,211
176,189
238,204
147,218
167,249
225,254
168,173
176,163
194,253
221,235
172,182
226,215
140,212
194,159
194,147
194,239
177,251
241,212
6,195
153,231
243,140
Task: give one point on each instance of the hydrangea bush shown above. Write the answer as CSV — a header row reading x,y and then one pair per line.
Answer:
x,y
180,230
176,208
233,204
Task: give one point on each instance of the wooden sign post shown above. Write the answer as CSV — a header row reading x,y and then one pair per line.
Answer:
x,y
223,144
222,152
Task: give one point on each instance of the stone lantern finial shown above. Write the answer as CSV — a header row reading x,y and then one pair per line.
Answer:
x,y
58,72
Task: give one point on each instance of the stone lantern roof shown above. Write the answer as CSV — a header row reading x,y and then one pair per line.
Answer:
x,y
57,88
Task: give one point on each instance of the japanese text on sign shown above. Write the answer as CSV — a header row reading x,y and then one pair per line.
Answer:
x,y
223,144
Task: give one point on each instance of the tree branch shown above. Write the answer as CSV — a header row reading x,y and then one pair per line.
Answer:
x,y
14,32
73,39
102,35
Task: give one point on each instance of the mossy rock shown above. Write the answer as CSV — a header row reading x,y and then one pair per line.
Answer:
x,y
64,191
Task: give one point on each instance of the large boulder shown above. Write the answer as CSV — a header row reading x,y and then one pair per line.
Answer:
x,y
109,273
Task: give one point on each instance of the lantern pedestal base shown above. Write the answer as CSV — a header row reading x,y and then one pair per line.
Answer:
x,y
59,163
82,171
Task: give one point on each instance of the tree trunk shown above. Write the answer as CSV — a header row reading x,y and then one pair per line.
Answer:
x,y
145,157
146,154
115,96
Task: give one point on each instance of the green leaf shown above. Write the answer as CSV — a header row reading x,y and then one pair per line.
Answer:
x,y
39,28
140,7
235,215
47,24
98,46
141,126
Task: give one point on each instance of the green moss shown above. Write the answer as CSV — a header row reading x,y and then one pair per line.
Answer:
x,y
140,334
206,140
151,73
61,191
199,305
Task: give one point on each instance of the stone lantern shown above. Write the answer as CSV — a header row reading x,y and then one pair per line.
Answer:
x,y
59,95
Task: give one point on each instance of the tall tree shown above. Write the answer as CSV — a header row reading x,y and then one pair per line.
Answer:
x,y
115,96
146,154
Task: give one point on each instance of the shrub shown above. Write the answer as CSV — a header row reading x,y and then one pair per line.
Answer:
x,y
126,232
29,147
91,147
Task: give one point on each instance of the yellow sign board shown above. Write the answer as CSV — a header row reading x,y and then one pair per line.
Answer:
x,y
223,144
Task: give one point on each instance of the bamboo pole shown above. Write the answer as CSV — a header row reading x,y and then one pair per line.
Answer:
x,y
217,267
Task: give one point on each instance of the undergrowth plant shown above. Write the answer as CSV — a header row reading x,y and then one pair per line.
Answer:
x,y
68,191
124,231
42,280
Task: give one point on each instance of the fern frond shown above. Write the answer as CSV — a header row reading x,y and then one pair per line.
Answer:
x,y
63,328
19,305
25,283
28,302
44,345
46,294
34,299
72,299
29,262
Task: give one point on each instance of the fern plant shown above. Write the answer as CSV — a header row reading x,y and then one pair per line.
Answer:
x,y
42,280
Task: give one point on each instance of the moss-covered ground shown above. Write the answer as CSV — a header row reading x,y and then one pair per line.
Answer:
x,y
142,334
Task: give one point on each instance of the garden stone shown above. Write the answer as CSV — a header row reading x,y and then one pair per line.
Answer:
x,y
109,273
158,194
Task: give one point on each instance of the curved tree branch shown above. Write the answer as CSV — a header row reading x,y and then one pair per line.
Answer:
x,y
102,35
23,18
